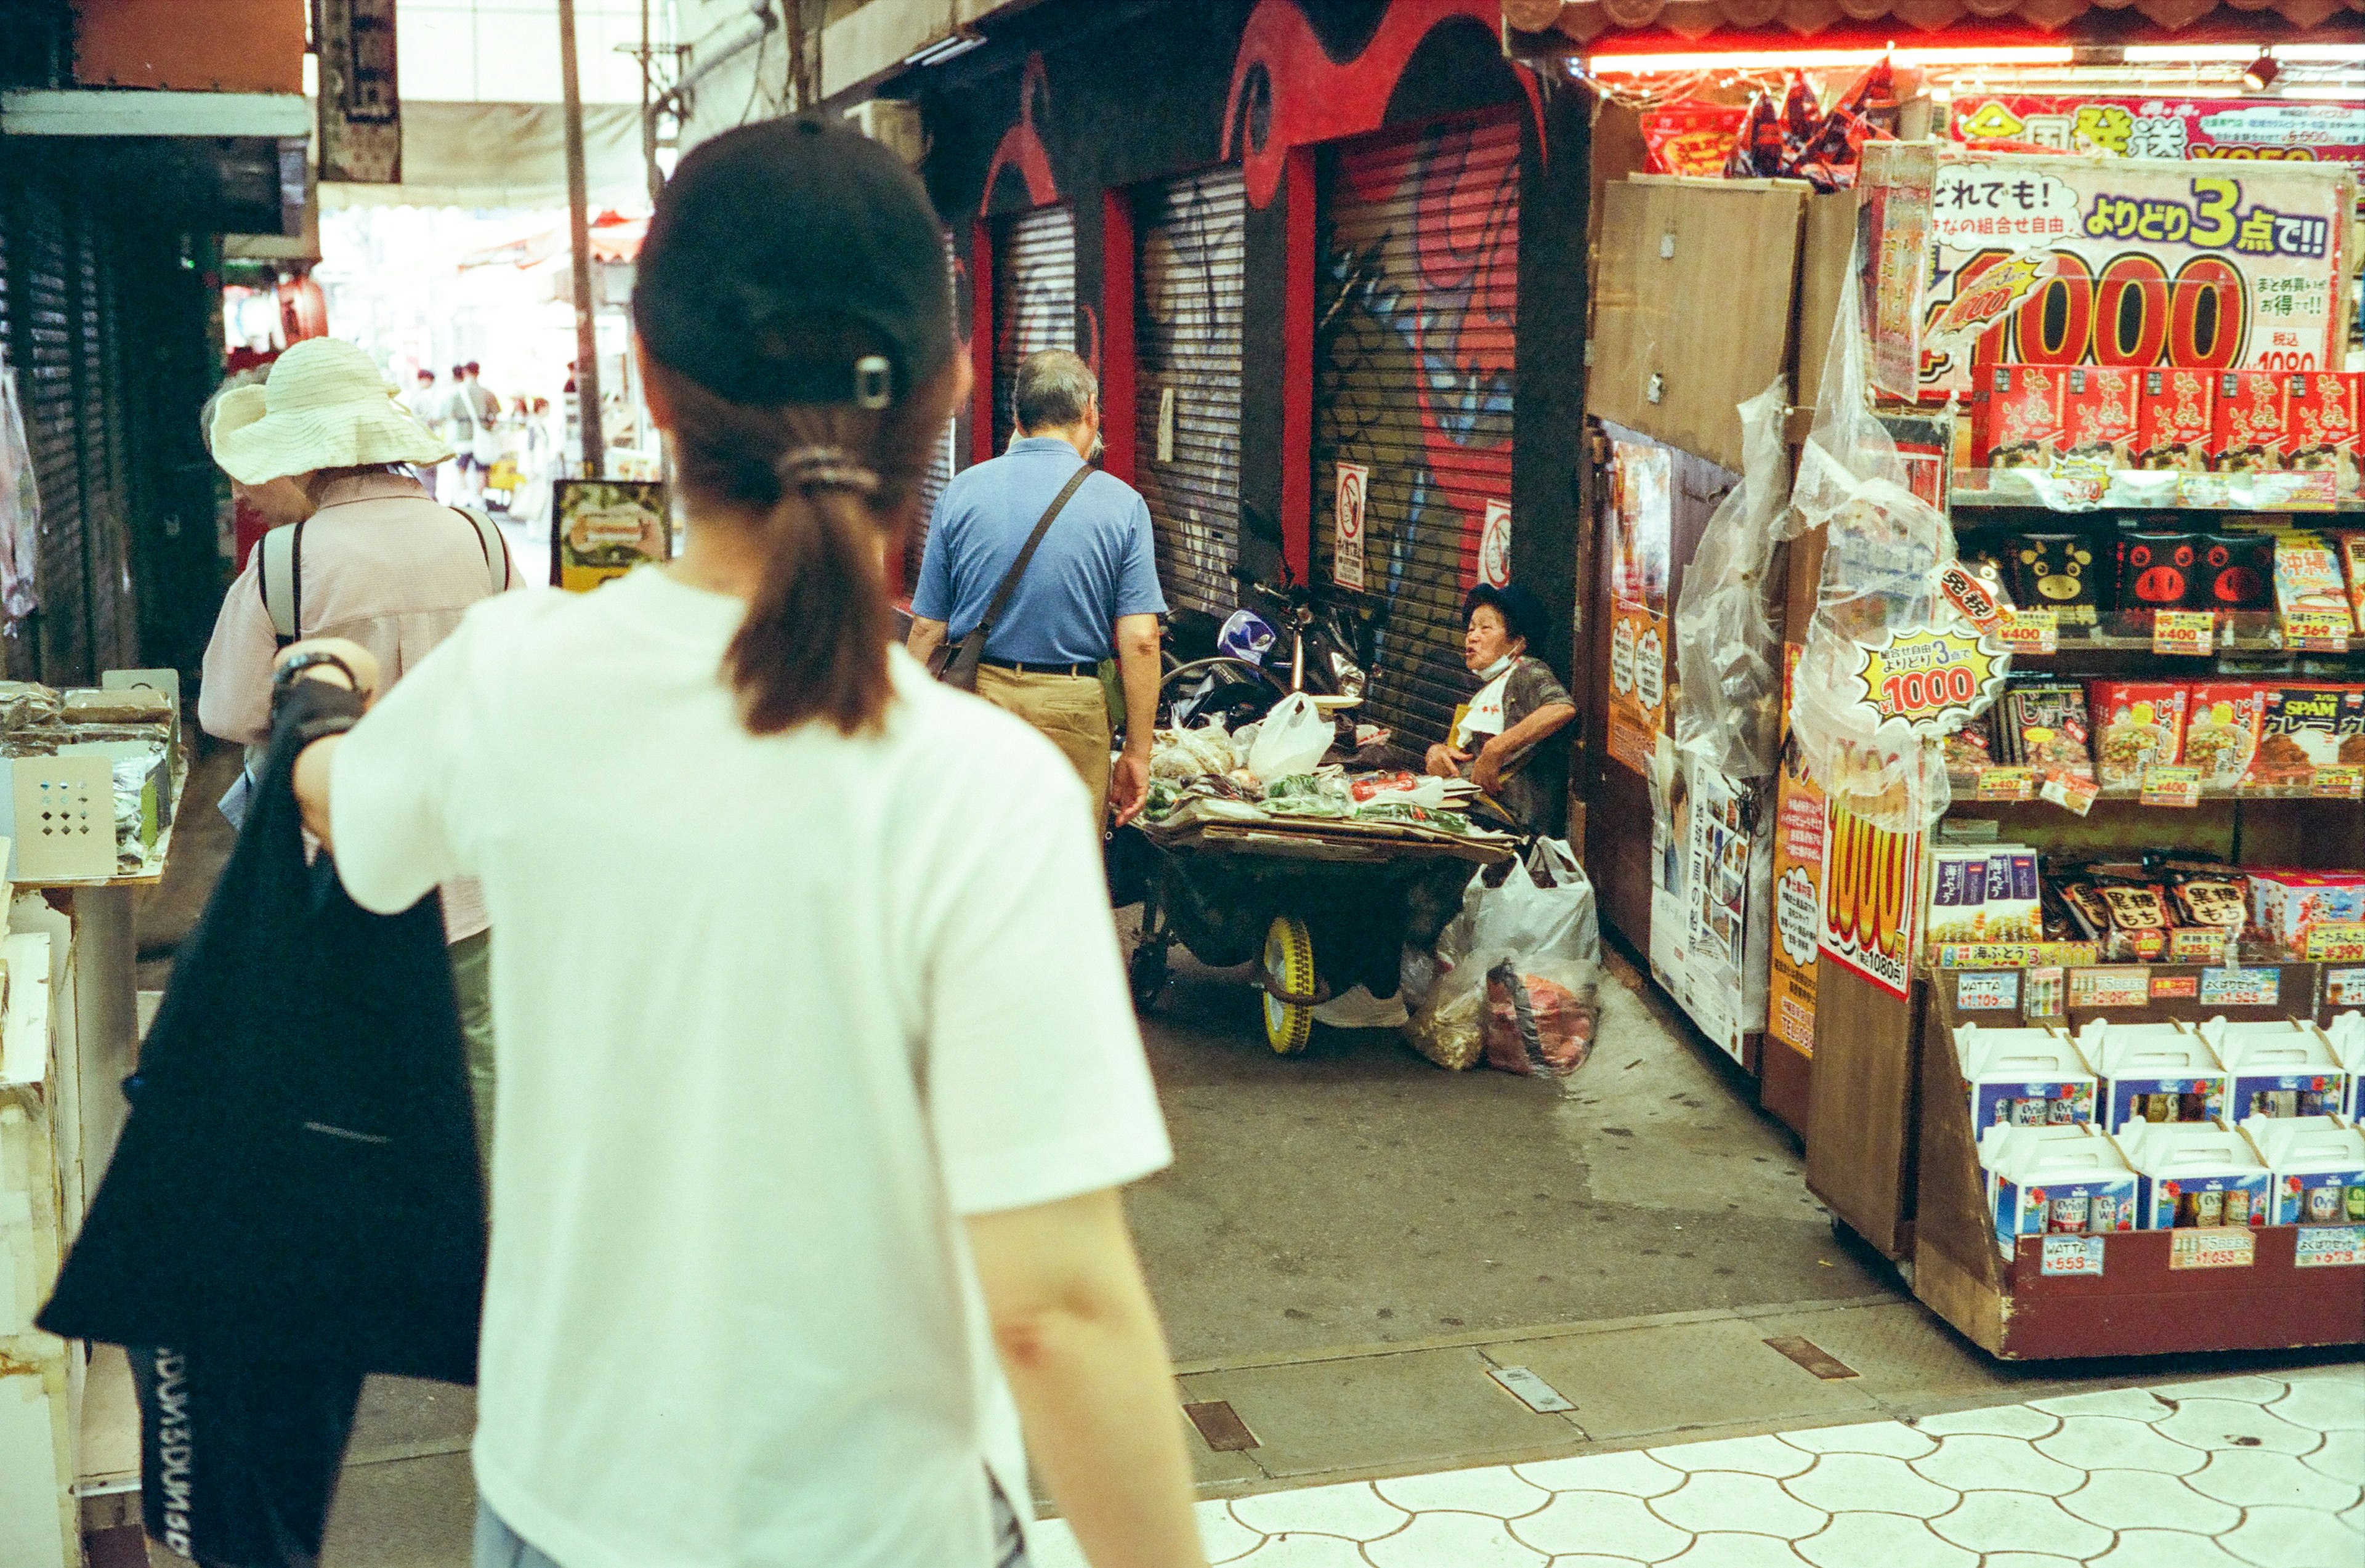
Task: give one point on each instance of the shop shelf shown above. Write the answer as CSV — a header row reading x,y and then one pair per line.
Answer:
x,y
2145,490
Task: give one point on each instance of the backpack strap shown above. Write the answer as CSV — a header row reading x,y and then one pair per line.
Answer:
x,y
496,548
281,578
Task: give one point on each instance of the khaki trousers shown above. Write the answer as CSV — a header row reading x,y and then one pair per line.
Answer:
x,y
1069,710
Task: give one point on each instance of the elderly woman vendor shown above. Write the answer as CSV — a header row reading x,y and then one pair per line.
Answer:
x,y
1499,740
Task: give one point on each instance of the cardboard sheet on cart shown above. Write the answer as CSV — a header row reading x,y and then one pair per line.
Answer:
x,y
1222,825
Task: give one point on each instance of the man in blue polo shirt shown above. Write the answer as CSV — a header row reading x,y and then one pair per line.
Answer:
x,y
1090,592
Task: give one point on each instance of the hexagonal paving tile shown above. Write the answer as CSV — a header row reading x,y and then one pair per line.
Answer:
x,y
2159,1549
1305,1551
2342,1457
2025,1560
1753,1456
2129,1404
2328,1405
2132,1499
1894,1438
1606,1522
1459,1539
2291,1538
2244,1386
1881,1540
1635,1473
2004,1521
2224,1423
1493,1490
1354,1511
1587,1560
1729,1551
1995,1421
2113,1442
1966,1464
1224,1537
1726,1500
2251,1478
1844,1482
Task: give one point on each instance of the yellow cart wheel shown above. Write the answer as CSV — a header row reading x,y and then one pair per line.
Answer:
x,y
1288,967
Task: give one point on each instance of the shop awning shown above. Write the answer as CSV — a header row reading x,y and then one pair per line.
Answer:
x,y
614,238
505,155
1585,21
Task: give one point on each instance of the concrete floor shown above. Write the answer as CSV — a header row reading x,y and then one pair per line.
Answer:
x,y
1350,1240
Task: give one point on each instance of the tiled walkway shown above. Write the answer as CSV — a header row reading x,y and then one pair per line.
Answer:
x,y
2251,1471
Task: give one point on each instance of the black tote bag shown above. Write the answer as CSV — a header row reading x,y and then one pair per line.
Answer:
x,y
296,1182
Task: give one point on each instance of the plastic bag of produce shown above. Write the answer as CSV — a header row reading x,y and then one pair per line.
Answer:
x,y
1537,917
1294,739
1539,1018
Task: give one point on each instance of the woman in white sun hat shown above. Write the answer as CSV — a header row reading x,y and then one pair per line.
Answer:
x,y
359,549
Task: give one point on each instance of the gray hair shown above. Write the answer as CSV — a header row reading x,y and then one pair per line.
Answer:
x,y
1054,389
230,383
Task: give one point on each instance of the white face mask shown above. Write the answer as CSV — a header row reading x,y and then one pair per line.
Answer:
x,y
1494,671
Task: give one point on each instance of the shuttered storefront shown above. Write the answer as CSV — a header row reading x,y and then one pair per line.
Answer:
x,y
1033,298
45,328
1417,306
1187,282
943,464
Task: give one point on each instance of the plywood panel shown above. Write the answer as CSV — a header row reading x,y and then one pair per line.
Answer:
x,y
1828,239
1860,1130
202,46
1692,308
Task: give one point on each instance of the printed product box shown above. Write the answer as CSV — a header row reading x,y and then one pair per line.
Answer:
x,y
2307,578
2175,419
2152,1072
2221,730
2247,436
2057,1186
2352,558
2346,1035
2023,1078
2016,417
1995,1141
2284,904
2137,724
2046,728
2320,427
2193,1174
2317,1164
2304,727
2277,1068
1984,893
2099,414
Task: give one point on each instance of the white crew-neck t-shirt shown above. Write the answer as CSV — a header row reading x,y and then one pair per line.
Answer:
x,y
773,1014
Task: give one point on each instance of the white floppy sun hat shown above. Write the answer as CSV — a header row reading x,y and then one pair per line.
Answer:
x,y
325,406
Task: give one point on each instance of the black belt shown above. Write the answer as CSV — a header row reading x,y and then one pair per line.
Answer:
x,y
1090,671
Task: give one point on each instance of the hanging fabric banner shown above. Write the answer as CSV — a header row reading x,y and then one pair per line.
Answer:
x,y
361,111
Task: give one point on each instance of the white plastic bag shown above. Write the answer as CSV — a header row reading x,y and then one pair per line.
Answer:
x,y
1294,739
1539,917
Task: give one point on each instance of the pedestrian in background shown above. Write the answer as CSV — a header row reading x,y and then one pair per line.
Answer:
x,y
1090,593
321,449
820,1094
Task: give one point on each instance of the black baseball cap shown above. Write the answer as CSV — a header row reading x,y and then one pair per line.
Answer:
x,y
1522,613
779,236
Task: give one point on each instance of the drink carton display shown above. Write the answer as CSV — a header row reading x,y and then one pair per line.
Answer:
x,y
2175,419
2277,1068
2247,433
2044,1185
2317,1164
2152,1072
2023,1078
2193,1174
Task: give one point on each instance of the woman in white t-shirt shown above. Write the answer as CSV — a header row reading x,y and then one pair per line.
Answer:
x,y
818,1072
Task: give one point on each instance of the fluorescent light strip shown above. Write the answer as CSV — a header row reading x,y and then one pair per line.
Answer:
x,y
2241,54
1775,60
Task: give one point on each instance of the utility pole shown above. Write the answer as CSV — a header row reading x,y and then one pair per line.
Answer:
x,y
578,216
648,120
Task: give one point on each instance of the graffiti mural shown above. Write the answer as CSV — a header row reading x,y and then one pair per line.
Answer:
x,y
1414,354
1021,151
1187,356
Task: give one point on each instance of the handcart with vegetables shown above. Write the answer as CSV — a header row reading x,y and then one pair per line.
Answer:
x,y
1318,874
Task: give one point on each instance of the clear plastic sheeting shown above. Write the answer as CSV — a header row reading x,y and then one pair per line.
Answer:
x,y
1883,547
20,508
1729,673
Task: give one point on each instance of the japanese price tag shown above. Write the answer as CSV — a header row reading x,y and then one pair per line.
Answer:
x,y
2171,787
2187,632
2316,630
2033,631
2008,784
2075,796
2328,943
2344,782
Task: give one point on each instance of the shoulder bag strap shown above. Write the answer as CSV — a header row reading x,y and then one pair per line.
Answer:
x,y
1009,588
489,540
281,578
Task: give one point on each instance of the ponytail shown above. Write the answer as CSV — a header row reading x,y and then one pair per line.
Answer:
x,y
825,489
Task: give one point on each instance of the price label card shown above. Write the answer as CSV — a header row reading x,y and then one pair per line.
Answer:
x,y
2072,1255
2329,1246
2033,631
1928,680
2171,787
2111,987
1987,991
2328,943
2075,796
2216,1248
2008,784
2233,987
2345,782
2316,630
2187,632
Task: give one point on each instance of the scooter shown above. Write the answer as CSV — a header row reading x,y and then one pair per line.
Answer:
x,y
1238,666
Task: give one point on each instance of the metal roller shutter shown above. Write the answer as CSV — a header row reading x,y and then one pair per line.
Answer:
x,y
46,373
1033,298
943,464
1417,310
96,402
1187,343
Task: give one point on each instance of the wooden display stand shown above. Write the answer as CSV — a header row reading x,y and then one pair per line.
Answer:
x,y
2148,1298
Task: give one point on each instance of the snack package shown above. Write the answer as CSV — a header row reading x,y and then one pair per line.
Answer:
x,y
2137,724
2304,727
1958,891
2222,899
2236,571
2247,436
2175,419
2352,555
2016,416
2099,415
2308,576
1970,751
2155,568
2047,730
2055,572
2284,904
2320,427
2221,730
